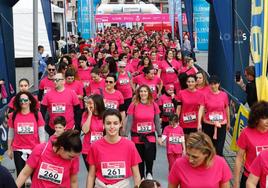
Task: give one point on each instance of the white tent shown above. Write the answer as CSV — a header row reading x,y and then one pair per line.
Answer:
x,y
23,28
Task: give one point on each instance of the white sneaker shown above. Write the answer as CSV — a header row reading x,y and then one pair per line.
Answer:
x,y
149,176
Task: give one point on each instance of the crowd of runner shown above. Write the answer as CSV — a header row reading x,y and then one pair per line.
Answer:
x,y
128,83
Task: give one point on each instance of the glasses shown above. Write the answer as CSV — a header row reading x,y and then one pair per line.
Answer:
x,y
122,67
85,53
125,57
108,81
51,70
24,100
58,79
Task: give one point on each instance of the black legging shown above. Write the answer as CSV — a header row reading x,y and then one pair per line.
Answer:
x,y
148,156
221,135
19,162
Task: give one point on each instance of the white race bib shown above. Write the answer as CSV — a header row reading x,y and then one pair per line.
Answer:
x,y
113,170
152,88
25,128
169,70
176,139
46,89
95,136
259,149
123,81
215,116
58,108
109,104
189,117
50,173
145,127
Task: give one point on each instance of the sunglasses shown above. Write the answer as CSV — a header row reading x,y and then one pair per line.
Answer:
x,y
110,82
57,79
85,53
51,70
24,100
122,66
125,57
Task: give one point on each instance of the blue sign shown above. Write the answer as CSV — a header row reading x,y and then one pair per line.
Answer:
x,y
84,18
201,20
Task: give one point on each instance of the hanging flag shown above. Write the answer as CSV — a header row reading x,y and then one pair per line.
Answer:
x,y
171,5
84,18
259,45
179,13
201,20
240,123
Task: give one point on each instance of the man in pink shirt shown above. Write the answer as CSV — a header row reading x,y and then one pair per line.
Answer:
x,y
46,84
61,101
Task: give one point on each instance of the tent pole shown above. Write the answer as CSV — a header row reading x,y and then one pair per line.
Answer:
x,y
35,44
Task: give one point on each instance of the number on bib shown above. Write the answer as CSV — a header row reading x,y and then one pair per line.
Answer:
x,y
144,127
189,117
52,173
113,170
25,128
58,108
95,136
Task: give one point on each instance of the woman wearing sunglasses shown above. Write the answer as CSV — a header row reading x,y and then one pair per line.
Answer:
x,y
26,129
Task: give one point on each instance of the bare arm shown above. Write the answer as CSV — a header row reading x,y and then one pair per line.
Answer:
x,y
252,181
200,116
24,174
86,125
239,161
9,143
91,176
225,185
228,118
136,175
74,181
172,186
159,73
160,86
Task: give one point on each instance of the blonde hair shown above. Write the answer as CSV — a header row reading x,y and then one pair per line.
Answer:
x,y
137,98
201,141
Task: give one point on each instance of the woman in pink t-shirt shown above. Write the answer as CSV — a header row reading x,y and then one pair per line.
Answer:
x,y
55,163
26,129
174,137
92,125
143,121
202,82
155,62
201,167
84,71
251,142
189,102
145,62
258,171
215,114
113,159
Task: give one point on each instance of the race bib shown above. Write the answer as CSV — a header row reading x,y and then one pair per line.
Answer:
x,y
145,127
113,170
95,136
169,70
123,81
52,173
189,117
110,104
46,89
25,128
155,66
152,88
215,116
266,182
168,107
58,108
176,139
86,83
259,149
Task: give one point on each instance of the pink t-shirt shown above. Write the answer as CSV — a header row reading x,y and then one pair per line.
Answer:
x,y
61,104
95,131
117,158
84,75
168,74
113,100
174,140
186,176
91,61
253,142
132,66
46,85
191,101
143,120
156,65
215,107
156,81
25,130
75,63
123,85
77,87
50,170
192,71
94,87
259,168
204,90
167,105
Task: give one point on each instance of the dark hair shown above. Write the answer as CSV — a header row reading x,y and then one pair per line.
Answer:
x,y
83,58
111,112
191,76
60,120
70,72
174,118
50,63
24,80
121,56
141,63
70,141
69,59
250,70
149,184
137,98
111,64
40,47
98,104
62,66
112,75
166,55
72,51
146,70
258,111
95,70
17,106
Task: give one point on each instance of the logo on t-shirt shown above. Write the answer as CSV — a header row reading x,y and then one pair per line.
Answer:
x,y
25,128
113,169
52,173
123,81
169,70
